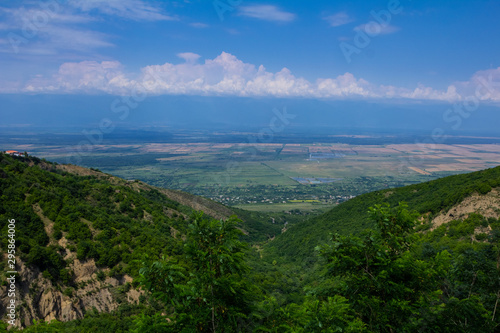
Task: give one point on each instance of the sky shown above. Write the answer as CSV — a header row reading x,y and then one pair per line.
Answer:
x,y
384,51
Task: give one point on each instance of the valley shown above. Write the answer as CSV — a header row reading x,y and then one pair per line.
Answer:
x,y
99,252
280,176
234,166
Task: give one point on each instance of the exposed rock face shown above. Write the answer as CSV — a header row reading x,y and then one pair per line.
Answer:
x,y
53,305
487,205
37,298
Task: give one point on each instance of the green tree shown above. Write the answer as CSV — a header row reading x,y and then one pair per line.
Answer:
x,y
332,314
384,283
204,290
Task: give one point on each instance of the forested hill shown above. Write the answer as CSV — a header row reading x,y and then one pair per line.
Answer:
x,y
81,235
351,217
99,253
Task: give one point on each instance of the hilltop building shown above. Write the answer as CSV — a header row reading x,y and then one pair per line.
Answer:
x,y
14,153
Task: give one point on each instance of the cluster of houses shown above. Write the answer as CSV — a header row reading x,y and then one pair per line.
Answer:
x,y
14,153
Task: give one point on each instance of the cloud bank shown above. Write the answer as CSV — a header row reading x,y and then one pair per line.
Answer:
x,y
226,75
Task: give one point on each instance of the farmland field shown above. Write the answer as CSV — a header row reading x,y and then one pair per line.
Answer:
x,y
286,207
307,176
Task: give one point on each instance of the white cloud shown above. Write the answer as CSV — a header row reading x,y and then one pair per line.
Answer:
x,y
189,57
136,10
422,92
338,19
373,28
84,77
266,12
226,75
483,85
49,30
57,29
345,86
30,17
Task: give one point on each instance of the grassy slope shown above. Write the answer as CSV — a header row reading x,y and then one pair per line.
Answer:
x,y
299,242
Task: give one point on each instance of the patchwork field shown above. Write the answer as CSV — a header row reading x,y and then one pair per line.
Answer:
x,y
254,176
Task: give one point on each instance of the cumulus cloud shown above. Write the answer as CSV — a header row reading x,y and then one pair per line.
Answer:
x,y
266,13
226,75
338,19
84,77
484,85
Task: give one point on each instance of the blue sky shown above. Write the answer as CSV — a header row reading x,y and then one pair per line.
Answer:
x,y
382,50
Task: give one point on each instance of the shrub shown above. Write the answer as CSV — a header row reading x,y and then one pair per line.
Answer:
x,y
484,188
100,275
68,292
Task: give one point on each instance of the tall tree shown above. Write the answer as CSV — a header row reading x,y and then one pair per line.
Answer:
x,y
203,290
383,283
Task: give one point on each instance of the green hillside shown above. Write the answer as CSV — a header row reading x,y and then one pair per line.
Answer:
x,y
102,254
70,219
351,217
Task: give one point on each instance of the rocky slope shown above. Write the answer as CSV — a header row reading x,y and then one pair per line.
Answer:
x,y
488,205
39,299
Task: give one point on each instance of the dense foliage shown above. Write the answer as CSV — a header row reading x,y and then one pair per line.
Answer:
x,y
391,279
399,275
205,289
112,221
299,242
100,219
398,282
